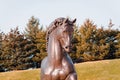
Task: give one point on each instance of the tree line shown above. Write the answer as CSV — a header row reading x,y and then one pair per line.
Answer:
x,y
24,50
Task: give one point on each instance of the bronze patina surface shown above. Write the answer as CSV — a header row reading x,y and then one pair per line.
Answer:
x,y
58,65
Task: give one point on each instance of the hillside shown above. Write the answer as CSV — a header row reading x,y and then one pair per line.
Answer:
x,y
97,70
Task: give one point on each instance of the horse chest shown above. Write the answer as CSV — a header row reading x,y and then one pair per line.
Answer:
x,y
60,73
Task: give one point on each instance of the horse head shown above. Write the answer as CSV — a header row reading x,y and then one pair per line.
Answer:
x,y
64,33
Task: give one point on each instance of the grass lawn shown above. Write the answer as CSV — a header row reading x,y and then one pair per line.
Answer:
x,y
96,70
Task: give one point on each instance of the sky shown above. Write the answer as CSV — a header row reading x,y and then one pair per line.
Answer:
x,y
15,13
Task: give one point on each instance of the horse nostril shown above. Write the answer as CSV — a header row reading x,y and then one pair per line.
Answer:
x,y
66,47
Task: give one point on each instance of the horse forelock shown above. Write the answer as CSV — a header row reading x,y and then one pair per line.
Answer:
x,y
52,26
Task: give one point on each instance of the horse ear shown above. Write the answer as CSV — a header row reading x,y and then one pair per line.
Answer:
x,y
74,20
66,20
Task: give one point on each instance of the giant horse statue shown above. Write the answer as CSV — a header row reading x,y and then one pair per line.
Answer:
x,y
58,64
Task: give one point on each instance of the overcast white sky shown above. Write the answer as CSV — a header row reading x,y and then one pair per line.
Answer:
x,y
17,12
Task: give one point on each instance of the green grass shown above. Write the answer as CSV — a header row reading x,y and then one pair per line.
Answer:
x,y
97,70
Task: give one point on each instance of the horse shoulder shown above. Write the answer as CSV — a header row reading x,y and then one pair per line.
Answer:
x,y
45,68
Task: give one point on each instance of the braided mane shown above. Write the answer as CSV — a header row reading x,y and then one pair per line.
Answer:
x,y
52,26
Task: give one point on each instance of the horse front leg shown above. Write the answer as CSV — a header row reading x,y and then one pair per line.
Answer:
x,y
72,76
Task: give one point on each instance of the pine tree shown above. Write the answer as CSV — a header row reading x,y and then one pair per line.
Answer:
x,y
75,42
0,44
17,51
111,40
41,45
117,54
86,40
6,54
92,42
32,29
1,59
37,36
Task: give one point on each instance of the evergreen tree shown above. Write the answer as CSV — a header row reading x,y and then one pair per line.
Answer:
x,y
93,43
17,51
75,42
1,44
32,29
41,45
1,59
102,48
37,36
111,40
117,54
6,56
86,38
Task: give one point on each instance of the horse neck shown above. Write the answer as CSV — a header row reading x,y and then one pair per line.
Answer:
x,y
55,53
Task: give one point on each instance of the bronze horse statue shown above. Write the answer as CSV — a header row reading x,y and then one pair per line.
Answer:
x,y
58,65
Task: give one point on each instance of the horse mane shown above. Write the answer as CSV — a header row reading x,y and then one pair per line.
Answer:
x,y
57,22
